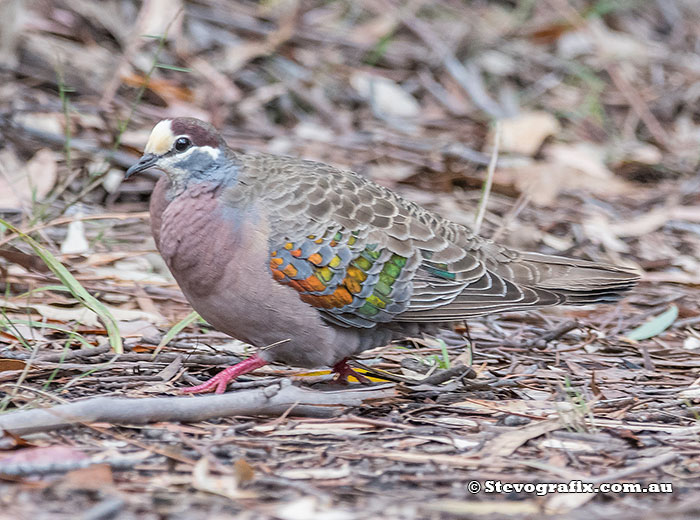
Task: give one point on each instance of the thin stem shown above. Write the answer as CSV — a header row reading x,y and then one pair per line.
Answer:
x,y
486,189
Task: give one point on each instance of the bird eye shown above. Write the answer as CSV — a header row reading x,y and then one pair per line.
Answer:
x,y
182,144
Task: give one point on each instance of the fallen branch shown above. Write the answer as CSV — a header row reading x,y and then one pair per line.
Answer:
x,y
24,469
272,400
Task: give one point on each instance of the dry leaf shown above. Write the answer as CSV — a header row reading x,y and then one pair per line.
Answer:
x,y
598,230
132,275
226,485
582,157
43,456
643,153
615,46
690,393
647,222
12,16
75,242
80,314
691,343
566,167
516,406
525,133
568,445
561,503
345,429
387,96
456,442
83,315
168,90
314,132
310,507
11,364
138,329
506,443
455,421
47,122
317,473
17,330
20,185
497,63
243,471
97,477
575,43
156,17
112,180
390,173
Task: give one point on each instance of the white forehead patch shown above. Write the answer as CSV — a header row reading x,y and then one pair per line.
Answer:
x,y
161,139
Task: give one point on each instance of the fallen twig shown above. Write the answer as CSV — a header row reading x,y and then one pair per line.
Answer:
x,y
24,469
271,400
76,354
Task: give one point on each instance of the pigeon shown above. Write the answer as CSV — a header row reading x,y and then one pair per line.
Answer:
x,y
320,264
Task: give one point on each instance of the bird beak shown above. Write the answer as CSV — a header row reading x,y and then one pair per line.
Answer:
x,y
146,162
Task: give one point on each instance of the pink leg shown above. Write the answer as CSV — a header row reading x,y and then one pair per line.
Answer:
x,y
344,370
222,379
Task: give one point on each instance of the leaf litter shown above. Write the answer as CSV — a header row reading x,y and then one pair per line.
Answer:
x,y
598,160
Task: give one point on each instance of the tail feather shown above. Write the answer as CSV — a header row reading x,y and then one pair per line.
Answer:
x,y
579,281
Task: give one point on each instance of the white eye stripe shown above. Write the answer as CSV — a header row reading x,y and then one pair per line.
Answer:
x,y
213,152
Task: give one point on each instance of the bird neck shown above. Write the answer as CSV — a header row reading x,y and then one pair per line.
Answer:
x,y
196,183
211,171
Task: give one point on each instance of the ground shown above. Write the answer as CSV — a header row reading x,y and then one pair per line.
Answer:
x,y
597,158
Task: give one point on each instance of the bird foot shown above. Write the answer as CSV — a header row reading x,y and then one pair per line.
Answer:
x,y
221,380
343,370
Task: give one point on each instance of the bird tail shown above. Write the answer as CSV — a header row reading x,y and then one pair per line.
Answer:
x,y
579,282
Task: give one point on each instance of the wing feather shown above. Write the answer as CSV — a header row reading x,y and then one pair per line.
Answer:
x,y
363,255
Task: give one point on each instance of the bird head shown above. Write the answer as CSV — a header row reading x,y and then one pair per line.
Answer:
x,y
186,149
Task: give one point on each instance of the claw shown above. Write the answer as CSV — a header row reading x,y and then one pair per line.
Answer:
x,y
222,379
343,371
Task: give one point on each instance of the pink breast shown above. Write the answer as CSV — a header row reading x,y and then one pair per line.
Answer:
x,y
197,240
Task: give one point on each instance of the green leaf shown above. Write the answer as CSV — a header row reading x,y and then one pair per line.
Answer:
x,y
56,288
173,67
41,325
76,289
655,325
445,361
184,322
